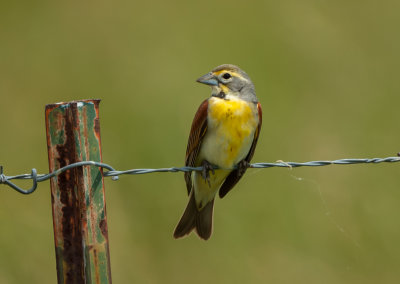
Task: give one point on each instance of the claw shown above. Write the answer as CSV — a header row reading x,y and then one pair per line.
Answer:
x,y
242,167
207,167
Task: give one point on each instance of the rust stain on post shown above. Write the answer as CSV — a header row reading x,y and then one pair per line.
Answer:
x,y
78,201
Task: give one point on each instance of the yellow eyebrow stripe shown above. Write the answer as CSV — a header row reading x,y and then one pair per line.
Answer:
x,y
217,73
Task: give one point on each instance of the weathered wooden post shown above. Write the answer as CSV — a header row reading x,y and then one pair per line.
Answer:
x,y
77,195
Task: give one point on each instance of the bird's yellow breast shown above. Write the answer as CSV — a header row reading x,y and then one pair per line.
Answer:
x,y
231,125
233,114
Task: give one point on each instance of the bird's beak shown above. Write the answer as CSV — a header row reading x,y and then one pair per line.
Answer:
x,y
208,79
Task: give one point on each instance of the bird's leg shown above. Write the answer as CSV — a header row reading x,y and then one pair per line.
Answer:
x,y
205,173
242,167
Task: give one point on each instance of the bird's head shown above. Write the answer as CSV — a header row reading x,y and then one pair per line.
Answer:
x,y
229,80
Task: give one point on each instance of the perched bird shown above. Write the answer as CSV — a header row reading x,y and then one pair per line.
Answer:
x,y
224,134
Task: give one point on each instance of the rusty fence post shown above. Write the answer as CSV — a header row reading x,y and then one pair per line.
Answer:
x,y
77,195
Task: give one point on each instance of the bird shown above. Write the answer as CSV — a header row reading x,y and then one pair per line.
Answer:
x,y
222,141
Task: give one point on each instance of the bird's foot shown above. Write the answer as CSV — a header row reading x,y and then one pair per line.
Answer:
x,y
205,172
242,167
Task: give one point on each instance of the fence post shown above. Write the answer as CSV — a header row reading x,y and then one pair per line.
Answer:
x,y
77,195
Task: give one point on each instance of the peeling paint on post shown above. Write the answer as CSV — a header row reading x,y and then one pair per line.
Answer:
x,y
77,195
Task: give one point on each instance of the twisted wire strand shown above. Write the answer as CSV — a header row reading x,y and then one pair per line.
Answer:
x,y
114,174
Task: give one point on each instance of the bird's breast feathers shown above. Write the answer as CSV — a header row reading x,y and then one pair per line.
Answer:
x,y
230,131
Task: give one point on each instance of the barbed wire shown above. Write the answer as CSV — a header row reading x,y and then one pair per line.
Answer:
x,y
114,174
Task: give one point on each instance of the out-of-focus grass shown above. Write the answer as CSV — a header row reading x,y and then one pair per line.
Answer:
x,y
326,74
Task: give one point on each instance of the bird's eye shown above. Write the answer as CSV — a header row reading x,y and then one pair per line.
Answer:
x,y
226,76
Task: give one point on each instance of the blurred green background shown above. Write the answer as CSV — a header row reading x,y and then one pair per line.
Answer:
x,y
326,73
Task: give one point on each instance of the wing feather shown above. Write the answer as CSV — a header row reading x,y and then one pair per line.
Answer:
x,y
197,132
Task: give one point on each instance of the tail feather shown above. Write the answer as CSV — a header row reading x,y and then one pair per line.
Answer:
x,y
188,219
204,220
192,218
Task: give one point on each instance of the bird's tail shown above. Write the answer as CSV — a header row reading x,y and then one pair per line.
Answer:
x,y
193,218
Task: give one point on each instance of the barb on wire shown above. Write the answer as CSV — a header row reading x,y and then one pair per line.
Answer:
x,y
114,174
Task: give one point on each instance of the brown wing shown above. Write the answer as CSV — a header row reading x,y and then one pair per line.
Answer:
x,y
197,132
235,175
